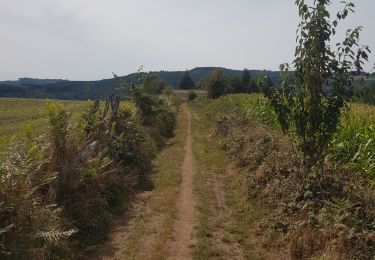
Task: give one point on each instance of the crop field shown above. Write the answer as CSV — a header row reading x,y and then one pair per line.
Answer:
x,y
15,113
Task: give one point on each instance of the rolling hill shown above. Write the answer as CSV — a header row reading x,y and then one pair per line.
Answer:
x,y
65,89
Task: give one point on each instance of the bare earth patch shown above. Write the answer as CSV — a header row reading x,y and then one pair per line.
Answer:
x,y
183,236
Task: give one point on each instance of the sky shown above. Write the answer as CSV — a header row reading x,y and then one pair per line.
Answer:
x,y
90,39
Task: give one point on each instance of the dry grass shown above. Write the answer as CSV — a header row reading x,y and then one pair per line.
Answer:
x,y
217,239
151,227
271,208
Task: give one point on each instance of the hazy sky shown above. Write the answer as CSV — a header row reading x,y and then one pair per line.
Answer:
x,y
90,39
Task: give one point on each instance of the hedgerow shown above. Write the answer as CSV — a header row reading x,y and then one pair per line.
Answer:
x,y
60,192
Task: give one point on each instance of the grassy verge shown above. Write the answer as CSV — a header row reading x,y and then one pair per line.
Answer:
x,y
352,145
206,159
160,206
265,192
245,213
241,225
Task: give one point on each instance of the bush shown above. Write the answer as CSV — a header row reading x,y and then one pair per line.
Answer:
x,y
31,225
191,96
128,146
49,184
157,116
216,84
58,120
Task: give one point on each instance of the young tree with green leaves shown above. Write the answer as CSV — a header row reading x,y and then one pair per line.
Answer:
x,y
153,85
310,107
216,84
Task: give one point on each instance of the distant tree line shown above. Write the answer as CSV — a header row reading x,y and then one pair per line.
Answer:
x,y
365,94
219,83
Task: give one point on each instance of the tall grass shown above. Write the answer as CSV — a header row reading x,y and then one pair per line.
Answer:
x,y
252,107
353,144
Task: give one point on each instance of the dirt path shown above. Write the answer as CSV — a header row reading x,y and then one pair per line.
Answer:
x,y
160,224
186,215
183,235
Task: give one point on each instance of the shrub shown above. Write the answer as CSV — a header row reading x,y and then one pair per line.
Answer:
x,y
156,115
216,84
191,96
31,226
85,178
58,120
153,85
127,146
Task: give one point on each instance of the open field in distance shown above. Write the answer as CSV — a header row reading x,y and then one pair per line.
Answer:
x,y
17,112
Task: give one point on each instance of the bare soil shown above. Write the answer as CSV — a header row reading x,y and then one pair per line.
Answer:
x,y
183,235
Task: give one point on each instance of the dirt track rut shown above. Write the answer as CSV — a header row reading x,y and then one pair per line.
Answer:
x,y
183,235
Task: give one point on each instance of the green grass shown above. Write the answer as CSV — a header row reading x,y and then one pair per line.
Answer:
x,y
165,182
206,159
211,161
253,107
16,113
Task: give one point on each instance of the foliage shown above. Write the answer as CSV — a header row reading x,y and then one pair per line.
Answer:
x,y
157,116
186,82
58,120
236,86
99,89
153,85
304,107
216,84
338,218
354,142
245,78
250,107
364,94
192,95
81,174
27,220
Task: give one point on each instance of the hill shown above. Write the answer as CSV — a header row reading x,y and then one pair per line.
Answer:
x,y
65,89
